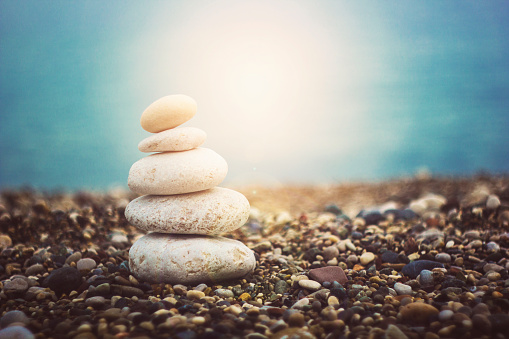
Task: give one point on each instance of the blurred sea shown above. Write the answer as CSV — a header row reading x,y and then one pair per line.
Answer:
x,y
71,98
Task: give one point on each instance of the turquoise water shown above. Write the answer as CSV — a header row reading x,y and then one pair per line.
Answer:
x,y
75,77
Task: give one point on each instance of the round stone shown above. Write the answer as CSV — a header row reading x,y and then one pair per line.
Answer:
x,y
402,289
173,140
213,211
86,264
189,259
177,172
366,258
168,112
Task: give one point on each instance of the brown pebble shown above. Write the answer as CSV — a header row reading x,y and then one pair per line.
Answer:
x,y
418,312
296,319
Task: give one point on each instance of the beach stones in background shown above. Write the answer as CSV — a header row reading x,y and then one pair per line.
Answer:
x,y
168,112
189,259
173,140
213,211
177,172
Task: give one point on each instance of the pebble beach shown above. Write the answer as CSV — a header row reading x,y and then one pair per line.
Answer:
x,y
407,258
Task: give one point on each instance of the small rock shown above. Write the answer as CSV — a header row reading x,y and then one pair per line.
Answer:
x,y
296,320
393,332
168,112
86,264
12,317
63,280
418,313
492,202
301,303
73,258
329,273
443,257
445,315
16,286
366,258
310,285
402,289
414,268
330,252
5,241
35,269
195,295
16,332
225,293
280,287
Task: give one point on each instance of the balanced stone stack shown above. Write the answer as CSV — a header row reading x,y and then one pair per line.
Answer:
x,y
181,207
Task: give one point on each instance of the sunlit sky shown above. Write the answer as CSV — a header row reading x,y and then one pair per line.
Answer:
x,y
287,91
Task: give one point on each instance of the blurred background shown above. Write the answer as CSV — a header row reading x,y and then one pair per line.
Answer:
x,y
305,92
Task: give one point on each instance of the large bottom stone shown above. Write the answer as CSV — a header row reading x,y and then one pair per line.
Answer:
x,y
214,211
189,259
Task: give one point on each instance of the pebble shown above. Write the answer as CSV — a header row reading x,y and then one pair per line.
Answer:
x,y
310,285
73,258
418,312
330,252
13,317
393,332
301,303
280,287
168,112
225,293
63,280
195,295
414,268
402,289
189,258
443,257
15,286
86,264
35,269
366,258
328,273
426,278
5,241
177,172
16,332
214,211
445,315
173,140
492,202
296,320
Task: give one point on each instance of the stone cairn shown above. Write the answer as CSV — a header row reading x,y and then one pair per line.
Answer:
x,y
181,207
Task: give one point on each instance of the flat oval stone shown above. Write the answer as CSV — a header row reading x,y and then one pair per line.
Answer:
x,y
173,140
189,259
168,112
177,172
214,211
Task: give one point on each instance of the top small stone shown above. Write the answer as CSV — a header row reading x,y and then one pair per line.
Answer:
x,y
168,112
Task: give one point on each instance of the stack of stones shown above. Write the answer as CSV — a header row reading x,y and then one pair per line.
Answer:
x,y
181,207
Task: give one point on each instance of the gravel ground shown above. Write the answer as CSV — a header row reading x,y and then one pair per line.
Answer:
x,y
340,261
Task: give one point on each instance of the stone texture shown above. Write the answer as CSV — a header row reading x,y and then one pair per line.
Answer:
x,y
414,268
329,273
173,140
418,313
168,112
189,259
213,211
177,172
63,280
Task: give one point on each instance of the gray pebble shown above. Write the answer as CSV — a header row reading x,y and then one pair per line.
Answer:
x,y
86,264
280,287
13,317
201,287
96,302
445,315
402,289
34,270
426,278
443,257
73,258
16,332
15,286
224,293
